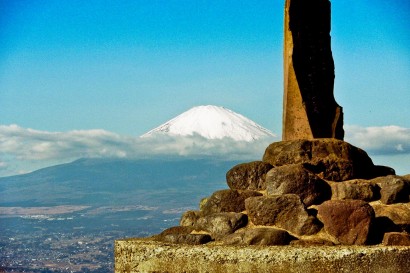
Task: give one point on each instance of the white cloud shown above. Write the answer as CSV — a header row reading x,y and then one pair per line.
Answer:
x,y
30,149
385,140
23,150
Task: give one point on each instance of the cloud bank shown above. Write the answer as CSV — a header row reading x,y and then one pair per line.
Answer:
x,y
385,140
23,149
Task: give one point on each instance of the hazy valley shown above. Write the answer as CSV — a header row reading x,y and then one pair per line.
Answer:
x,y
65,218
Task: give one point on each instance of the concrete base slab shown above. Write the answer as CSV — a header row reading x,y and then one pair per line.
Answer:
x,y
142,255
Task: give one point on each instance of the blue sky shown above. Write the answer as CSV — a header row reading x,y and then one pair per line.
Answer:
x,y
124,67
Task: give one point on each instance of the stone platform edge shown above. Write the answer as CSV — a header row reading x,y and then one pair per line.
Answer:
x,y
144,255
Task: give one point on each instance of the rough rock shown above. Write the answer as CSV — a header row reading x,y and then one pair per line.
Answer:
x,y
330,159
177,230
189,218
221,224
259,236
227,201
311,242
284,211
248,176
383,171
189,239
394,189
297,180
309,107
202,203
396,239
399,214
182,235
359,189
349,221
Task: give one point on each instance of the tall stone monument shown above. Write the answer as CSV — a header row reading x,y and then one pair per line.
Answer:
x,y
309,107
313,189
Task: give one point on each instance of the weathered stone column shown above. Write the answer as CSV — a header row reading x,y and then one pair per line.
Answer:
x,y
309,107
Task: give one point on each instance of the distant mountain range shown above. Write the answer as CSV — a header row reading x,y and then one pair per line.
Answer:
x,y
212,122
116,181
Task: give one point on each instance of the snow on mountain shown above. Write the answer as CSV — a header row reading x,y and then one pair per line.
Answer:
x,y
212,122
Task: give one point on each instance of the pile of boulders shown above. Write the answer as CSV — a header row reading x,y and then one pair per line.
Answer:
x,y
303,192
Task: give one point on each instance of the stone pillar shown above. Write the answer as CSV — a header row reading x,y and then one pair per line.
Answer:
x,y
309,107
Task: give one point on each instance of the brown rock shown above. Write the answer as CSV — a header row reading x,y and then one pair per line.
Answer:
x,y
284,211
182,235
189,239
259,236
330,159
349,221
399,214
177,230
221,224
227,201
297,180
383,171
311,242
189,218
359,189
248,176
202,203
396,239
394,189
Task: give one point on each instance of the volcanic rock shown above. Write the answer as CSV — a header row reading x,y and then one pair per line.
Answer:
x,y
297,180
312,242
248,176
182,235
399,213
396,239
189,218
227,201
394,189
284,211
259,236
221,224
359,189
383,171
349,221
330,159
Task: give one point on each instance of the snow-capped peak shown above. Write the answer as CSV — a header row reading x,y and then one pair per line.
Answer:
x,y
212,122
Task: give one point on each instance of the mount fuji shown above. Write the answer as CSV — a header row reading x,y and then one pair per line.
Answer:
x,y
212,122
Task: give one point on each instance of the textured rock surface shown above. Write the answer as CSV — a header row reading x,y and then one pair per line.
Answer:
x,y
148,256
311,242
227,201
182,235
189,239
399,214
359,189
349,221
259,236
284,211
189,218
396,239
297,180
221,224
394,189
309,110
330,159
248,176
